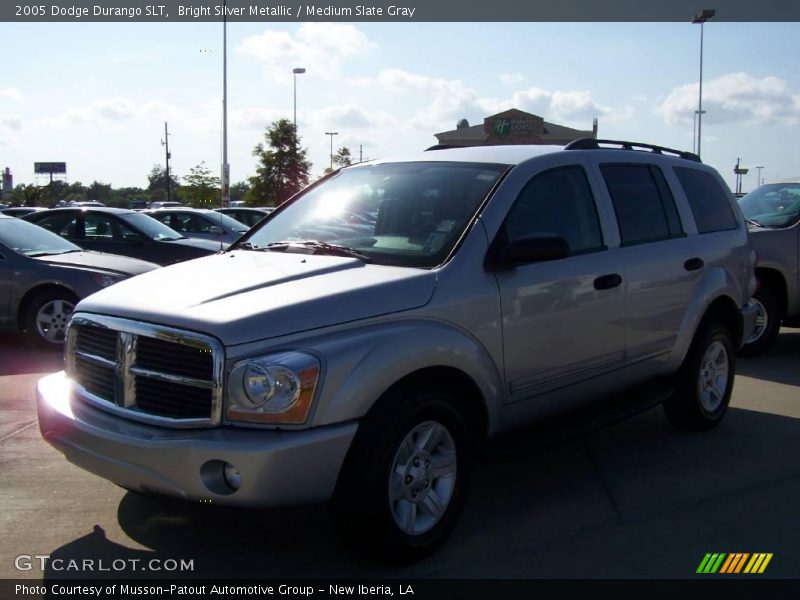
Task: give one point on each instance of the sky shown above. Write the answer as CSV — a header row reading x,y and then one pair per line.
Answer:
x,y
97,95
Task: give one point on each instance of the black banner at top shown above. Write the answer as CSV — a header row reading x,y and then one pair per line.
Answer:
x,y
394,10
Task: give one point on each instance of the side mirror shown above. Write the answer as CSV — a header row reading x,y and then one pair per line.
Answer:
x,y
529,249
215,230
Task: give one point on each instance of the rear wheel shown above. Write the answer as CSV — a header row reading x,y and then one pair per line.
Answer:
x,y
704,382
403,484
768,323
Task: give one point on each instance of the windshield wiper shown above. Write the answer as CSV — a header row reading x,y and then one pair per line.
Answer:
x,y
755,223
318,246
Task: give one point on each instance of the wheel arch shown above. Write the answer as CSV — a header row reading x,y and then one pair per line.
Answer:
x,y
38,290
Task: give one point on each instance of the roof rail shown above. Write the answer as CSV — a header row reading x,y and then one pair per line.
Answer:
x,y
593,144
441,147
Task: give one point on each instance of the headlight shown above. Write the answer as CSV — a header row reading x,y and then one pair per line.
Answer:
x,y
277,388
106,280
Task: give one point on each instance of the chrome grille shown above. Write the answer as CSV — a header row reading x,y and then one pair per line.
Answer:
x,y
144,372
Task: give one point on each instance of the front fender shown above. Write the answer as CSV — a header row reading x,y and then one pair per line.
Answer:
x,y
363,363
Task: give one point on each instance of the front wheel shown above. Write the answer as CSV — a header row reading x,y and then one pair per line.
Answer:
x,y
704,382
46,315
403,484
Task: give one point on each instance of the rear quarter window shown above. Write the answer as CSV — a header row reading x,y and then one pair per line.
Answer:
x,y
709,202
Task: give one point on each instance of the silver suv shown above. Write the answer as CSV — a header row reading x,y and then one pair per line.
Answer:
x,y
361,343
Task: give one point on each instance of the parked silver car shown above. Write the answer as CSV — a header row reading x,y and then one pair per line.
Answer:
x,y
362,343
200,223
42,277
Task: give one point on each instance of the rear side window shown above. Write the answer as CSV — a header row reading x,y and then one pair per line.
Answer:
x,y
557,202
642,202
709,202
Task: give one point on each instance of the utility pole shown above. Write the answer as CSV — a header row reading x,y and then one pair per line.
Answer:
x,y
758,179
165,143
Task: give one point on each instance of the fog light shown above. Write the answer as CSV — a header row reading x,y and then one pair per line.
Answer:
x,y
232,476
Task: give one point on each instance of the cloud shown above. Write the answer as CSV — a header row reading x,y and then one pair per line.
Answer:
x,y
12,122
734,97
445,101
106,109
351,116
319,47
11,94
255,117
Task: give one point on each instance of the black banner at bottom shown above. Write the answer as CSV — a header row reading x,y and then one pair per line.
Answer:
x,y
430,589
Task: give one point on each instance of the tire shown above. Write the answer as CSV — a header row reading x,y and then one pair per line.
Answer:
x,y
704,383
390,501
46,315
768,323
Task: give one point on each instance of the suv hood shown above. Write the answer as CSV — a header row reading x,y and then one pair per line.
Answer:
x,y
243,296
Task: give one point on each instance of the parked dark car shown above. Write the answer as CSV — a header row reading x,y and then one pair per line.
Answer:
x,y
21,211
248,216
201,223
42,277
121,231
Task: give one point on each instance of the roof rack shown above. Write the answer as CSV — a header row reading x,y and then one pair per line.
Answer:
x,y
441,147
593,144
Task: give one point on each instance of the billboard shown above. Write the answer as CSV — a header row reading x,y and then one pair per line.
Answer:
x,y
46,168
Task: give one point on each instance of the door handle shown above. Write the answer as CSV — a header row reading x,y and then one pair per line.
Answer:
x,y
607,282
693,264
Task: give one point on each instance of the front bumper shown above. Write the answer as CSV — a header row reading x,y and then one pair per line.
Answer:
x,y
747,315
276,468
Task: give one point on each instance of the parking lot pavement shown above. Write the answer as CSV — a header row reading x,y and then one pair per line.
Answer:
x,y
627,499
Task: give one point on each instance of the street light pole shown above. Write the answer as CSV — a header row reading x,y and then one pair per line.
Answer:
x,y
226,172
295,72
701,18
331,133
758,179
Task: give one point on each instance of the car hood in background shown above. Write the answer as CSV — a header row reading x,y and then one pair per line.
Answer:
x,y
210,245
243,296
99,260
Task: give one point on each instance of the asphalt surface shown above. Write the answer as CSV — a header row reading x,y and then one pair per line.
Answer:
x,y
628,499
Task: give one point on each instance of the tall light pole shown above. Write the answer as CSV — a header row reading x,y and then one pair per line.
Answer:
x,y
758,179
694,131
701,18
295,72
331,133
225,200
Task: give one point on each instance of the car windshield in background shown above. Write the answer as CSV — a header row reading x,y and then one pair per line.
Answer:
x,y
773,205
405,214
152,228
228,222
32,240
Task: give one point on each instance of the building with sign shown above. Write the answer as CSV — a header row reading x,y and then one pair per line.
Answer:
x,y
512,127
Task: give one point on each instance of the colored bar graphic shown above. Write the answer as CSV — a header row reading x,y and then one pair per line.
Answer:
x,y
711,563
733,563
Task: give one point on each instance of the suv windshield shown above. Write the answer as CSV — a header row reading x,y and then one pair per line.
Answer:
x,y
151,227
773,204
405,214
32,240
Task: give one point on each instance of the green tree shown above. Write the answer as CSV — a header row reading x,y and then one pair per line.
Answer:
x,y
157,188
99,192
201,189
282,167
26,195
239,190
342,157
